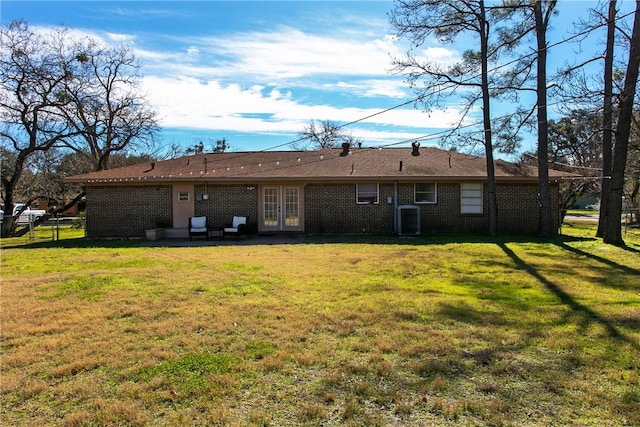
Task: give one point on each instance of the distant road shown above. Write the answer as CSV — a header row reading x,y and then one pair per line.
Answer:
x,y
582,217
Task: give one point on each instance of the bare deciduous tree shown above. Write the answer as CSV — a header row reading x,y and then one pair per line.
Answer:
x,y
219,146
60,93
105,104
323,134
33,76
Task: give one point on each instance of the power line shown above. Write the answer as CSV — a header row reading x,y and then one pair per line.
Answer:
x,y
566,164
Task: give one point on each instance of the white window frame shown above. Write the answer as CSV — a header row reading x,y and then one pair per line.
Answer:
x,y
362,196
425,202
184,196
471,198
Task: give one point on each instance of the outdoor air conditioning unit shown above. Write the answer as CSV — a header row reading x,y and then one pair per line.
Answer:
x,y
408,220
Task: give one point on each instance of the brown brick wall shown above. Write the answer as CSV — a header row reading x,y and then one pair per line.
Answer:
x,y
127,211
444,215
225,202
518,210
332,208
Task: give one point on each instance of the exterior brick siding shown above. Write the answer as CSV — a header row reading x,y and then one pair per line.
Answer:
x,y
518,209
127,211
332,208
225,202
444,215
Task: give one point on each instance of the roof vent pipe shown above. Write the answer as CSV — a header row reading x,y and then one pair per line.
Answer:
x,y
153,165
416,148
400,169
345,149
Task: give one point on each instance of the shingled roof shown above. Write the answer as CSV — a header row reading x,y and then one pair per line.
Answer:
x,y
338,165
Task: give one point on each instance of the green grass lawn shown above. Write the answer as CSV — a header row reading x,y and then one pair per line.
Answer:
x,y
582,212
436,330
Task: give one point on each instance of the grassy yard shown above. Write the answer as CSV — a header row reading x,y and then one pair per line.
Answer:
x,y
445,330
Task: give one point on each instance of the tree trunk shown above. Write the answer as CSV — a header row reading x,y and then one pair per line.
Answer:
x,y
544,197
613,227
635,190
607,121
486,111
7,221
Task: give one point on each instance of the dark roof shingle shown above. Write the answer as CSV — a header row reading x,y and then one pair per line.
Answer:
x,y
382,164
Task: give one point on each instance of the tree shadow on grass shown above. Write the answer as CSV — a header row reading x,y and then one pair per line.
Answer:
x,y
623,268
463,312
631,249
586,314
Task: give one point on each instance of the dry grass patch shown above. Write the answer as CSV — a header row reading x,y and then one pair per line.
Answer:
x,y
436,330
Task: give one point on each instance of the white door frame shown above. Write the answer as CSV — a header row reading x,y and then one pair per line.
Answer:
x,y
281,207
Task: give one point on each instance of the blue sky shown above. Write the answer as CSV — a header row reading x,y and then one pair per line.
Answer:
x,y
256,72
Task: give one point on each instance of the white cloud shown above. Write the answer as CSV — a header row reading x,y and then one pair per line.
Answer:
x,y
217,92
265,82
287,53
440,55
280,54
371,88
374,138
191,103
120,38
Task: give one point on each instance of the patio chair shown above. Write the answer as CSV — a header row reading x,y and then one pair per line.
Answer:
x,y
237,228
198,227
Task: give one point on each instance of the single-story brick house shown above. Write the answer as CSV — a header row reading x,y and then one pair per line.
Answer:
x,y
348,190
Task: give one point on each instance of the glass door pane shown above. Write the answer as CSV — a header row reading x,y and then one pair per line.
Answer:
x,y
291,204
270,207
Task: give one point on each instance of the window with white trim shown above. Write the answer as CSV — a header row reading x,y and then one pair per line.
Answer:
x,y
471,198
367,193
424,192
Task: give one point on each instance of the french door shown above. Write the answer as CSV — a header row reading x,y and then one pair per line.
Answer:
x,y
281,208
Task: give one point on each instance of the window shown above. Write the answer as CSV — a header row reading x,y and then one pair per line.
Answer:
x,y
471,198
425,192
183,196
367,193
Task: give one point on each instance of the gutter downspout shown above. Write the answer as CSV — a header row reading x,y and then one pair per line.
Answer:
x,y
395,207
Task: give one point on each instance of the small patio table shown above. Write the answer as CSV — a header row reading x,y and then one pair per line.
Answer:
x,y
216,232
